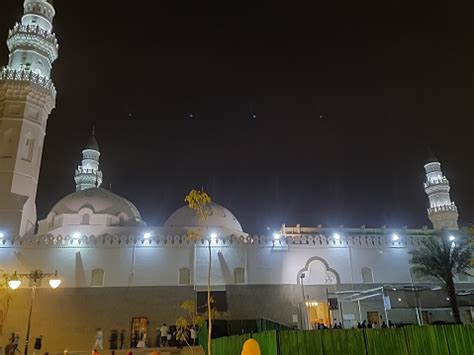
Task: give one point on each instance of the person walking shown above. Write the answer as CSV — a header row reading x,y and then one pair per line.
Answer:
x,y
99,340
16,342
142,342
122,338
193,335
37,345
164,334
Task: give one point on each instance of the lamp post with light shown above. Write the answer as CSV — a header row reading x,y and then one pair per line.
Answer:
x,y
14,282
303,304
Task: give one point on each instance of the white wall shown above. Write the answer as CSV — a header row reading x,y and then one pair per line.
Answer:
x,y
153,264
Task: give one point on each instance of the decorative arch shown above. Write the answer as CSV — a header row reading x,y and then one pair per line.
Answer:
x,y
97,278
28,147
331,276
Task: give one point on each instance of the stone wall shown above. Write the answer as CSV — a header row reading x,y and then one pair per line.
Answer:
x,y
68,317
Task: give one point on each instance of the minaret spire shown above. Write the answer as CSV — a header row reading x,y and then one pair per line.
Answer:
x,y
27,97
443,212
88,175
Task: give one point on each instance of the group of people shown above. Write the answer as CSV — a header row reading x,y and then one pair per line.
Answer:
x,y
165,337
363,325
320,326
370,325
13,343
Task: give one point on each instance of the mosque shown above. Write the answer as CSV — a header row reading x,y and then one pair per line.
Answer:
x,y
118,272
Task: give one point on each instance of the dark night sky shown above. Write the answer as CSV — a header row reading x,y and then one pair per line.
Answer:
x,y
389,77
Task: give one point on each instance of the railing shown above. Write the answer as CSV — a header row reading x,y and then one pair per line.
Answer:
x,y
446,208
34,30
436,182
8,74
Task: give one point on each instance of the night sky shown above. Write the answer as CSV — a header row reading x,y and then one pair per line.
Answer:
x,y
348,96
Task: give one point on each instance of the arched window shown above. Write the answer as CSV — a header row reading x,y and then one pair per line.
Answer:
x,y
184,276
367,275
86,218
97,278
239,275
28,148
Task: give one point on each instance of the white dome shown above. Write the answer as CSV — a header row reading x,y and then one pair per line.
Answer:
x,y
220,217
100,201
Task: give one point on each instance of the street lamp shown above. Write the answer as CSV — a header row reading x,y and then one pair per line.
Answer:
x,y
303,305
14,282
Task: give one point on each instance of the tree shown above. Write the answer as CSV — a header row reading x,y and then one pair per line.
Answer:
x,y
200,202
443,258
191,320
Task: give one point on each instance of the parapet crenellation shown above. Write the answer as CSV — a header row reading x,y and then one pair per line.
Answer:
x,y
378,239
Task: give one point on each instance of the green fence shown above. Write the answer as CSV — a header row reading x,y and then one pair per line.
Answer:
x,y
413,340
233,344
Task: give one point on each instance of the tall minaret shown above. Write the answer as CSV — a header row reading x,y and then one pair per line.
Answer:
x,y
27,97
88,174
443,213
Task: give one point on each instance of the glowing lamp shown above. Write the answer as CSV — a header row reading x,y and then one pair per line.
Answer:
x,y
276,236
213,235
14,282
55,281
1,235
147,235
76,235
337,236
451,238
395,237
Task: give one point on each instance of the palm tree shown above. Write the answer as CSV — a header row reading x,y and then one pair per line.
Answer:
x,y
443,258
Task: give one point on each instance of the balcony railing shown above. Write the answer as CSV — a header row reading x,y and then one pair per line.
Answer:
x,y
442,181
444,208
34,30
8,74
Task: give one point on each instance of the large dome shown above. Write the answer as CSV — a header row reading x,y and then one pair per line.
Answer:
x,y
220,217
100,201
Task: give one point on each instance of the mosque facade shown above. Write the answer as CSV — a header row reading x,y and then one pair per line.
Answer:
x,y
118,272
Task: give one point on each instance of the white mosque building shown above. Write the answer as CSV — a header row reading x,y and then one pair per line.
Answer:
x,y
120,273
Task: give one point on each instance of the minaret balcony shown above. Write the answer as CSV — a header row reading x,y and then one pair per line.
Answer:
x,y
7,74
444,208
442,181
22,36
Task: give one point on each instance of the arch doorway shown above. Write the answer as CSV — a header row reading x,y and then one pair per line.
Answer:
x,y
314,307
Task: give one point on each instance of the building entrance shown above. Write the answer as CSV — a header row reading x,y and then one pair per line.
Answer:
x,y
139,330
373,317
318,313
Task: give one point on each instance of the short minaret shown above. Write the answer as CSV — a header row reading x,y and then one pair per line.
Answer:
x,y
443,212
27,97
88,174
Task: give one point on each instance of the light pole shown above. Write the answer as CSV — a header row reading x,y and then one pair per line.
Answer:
x,y
303,305
14,282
